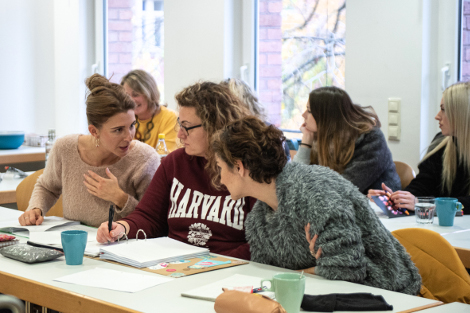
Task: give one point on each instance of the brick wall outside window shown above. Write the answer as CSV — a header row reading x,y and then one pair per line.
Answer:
x,y
119,38
270,58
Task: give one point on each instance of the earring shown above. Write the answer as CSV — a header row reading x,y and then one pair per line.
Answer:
x,y
97,142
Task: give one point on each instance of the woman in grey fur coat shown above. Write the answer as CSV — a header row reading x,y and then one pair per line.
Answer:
x,y
345,241
346,138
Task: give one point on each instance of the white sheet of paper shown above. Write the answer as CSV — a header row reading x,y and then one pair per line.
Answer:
x,y
9,215
54,238
48,223
211,291
111,279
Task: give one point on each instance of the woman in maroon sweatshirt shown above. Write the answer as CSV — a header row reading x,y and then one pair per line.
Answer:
x,y
181,201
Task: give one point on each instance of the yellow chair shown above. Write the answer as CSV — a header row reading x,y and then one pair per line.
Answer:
x,y
25,190
444,276
405,172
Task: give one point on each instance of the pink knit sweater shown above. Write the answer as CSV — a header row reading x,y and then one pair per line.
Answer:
x,y
64,175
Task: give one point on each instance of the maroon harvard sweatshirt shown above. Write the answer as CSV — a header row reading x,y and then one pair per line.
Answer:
x,y
181,202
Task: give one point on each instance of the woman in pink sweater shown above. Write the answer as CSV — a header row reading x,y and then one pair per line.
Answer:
x,y
97,170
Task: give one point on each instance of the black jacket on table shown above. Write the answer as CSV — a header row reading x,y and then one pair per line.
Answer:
x,y
428,182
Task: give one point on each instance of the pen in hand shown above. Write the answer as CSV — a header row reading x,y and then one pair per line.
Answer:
x,y
111,217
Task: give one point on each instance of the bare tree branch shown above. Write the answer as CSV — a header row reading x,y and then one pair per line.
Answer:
x,y
337,16
308,65
306,20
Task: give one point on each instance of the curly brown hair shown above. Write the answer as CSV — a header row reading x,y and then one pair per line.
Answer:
x,y
216,106
104,100
258,146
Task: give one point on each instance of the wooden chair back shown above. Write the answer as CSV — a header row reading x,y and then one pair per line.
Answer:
x,y
405,172
25,190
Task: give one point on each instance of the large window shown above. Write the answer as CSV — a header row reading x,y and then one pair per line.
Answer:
x,y
135,39
464,51
301,47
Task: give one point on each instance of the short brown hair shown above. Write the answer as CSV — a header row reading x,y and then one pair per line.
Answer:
x,y
216,106
142,82
104,100
258,146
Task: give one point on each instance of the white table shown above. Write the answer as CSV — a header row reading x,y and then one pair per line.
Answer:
x,y
34,283
8,189
22,155
458,235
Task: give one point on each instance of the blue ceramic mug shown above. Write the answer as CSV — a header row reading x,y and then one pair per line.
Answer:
x,y
74,243
446,209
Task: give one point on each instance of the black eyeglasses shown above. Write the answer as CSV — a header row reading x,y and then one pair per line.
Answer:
x,y
187,129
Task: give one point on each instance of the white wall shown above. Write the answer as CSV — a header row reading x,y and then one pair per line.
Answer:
x,y
46,51
203,41
394,49
26,65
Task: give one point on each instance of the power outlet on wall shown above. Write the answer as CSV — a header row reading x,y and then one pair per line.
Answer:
x,y
394,124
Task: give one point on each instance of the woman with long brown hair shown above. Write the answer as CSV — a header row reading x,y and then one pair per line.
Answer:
x,y
346,138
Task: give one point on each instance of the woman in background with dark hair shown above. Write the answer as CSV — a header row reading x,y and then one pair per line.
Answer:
x,y
96,170
346,138
345,239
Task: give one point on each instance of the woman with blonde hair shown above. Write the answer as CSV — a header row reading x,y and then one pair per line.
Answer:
x,y
243,91
181,202
445,169
152,117
346,138
96,170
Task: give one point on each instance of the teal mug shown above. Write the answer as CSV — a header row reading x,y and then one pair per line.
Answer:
x,y
289,290
74,243
446,209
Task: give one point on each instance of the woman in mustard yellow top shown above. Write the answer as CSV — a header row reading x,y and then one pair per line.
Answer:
x,y
152,118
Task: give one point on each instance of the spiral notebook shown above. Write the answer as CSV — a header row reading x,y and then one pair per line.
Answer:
x,y
149,252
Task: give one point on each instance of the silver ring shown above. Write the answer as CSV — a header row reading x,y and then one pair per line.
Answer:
x,y
312,253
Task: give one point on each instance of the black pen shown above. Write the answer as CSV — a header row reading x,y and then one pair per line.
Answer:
x,y
111,217
43,246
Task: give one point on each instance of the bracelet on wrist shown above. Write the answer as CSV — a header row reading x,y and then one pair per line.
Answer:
x,y
306,144
125,229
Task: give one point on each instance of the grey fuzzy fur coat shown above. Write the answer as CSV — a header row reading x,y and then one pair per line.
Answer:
x,y
370,166
356,247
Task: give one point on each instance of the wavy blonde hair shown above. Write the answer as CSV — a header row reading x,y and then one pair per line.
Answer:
x,y
243,91
457,109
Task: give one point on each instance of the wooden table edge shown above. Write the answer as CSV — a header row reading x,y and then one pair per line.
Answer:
x,y
54,297
7,196
23,158
423,307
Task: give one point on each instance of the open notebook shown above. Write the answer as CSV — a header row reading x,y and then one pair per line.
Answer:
x,y
148,252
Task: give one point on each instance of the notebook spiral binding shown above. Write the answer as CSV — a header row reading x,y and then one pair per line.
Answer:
x,y
136,236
